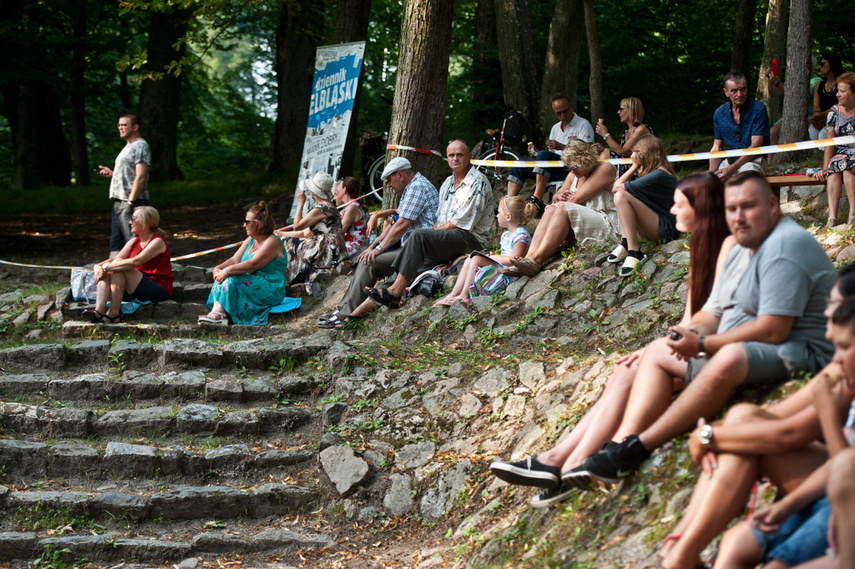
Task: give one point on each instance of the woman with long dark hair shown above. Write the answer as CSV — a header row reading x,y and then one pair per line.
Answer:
x,y
699,209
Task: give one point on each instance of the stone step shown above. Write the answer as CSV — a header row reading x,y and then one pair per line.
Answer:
x,y
261,353
105,389
24,459
160,312
113,546
159,421
172,503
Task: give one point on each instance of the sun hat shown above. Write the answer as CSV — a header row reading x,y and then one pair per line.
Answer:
x,y
394,165
320,185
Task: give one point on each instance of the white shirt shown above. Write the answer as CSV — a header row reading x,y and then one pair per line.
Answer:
x,y
576,128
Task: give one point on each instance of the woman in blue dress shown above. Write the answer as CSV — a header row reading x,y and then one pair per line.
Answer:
x,y
252,281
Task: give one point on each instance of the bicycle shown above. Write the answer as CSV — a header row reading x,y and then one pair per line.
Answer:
x,y
515,129
373,146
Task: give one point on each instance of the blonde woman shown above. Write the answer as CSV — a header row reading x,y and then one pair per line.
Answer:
x,y
582,210
644,205
631,113
141,270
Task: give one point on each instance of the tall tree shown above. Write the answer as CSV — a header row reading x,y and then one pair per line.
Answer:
x,y
486,68
561,68
596,81
352,26
29,86
774,44
798,77
740,59
79,152
520,75
295,48
418,110
161,89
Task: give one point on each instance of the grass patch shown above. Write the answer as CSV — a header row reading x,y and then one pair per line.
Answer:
x,y
41,518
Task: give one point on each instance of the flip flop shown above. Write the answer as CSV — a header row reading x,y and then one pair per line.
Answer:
x,y
629,265
528,267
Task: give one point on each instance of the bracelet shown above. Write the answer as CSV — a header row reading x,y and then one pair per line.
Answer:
x,y
227,271
606,135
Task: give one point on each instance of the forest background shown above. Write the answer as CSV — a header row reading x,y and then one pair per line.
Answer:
x,y
223,85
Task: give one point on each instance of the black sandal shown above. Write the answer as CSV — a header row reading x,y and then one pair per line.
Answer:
x,y
383,297
348,322
91,315
106,319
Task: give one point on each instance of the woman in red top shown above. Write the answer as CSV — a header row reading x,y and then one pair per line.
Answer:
x,y
142,270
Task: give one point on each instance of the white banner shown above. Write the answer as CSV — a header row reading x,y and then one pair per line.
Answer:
x,y
334,88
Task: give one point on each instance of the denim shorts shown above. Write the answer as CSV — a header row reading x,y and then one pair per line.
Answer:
x,y
804,536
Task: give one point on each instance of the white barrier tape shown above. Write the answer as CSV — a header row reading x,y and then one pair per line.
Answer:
x,y
771,149
42,266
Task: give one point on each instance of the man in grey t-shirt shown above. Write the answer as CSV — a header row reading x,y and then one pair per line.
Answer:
x,y
128,180
773,329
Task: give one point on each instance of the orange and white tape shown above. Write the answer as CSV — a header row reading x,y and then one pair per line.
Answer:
x,y
412,149
771,149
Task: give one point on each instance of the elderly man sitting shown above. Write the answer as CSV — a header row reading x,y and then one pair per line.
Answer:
x,y
464,223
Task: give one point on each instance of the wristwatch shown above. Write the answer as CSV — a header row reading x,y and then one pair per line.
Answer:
x,y
702,354
705,434
379,247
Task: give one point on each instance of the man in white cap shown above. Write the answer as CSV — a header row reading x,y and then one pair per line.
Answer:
x,y
417,210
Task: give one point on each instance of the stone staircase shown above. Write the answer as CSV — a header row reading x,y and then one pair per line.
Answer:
x,y
138,459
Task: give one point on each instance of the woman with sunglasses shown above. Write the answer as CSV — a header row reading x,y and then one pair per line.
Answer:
x,y
631,113
252,281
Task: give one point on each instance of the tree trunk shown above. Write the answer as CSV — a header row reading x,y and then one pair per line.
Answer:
x,y
520,76
41,149
486,68
352,26
596,83
160,96
80,155
798,78
295,67
561,69
774,45
740,58
418,111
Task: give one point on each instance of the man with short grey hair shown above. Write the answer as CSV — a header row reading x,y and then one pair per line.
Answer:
x,y
417,210
739,124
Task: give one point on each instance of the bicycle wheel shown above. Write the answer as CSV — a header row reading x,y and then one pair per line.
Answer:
x,y
373,182
496,174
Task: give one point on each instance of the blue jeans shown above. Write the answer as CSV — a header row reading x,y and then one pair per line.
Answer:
x,y
804,536
520,175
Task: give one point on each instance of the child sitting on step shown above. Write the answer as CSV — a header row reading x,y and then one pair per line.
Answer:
x,y
482,274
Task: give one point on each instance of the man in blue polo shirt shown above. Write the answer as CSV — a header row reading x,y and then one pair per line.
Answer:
x,y
740,123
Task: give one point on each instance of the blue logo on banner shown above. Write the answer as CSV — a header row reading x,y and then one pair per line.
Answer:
x,y
334,90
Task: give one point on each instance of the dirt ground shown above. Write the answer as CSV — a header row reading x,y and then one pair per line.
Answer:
x,y
84,238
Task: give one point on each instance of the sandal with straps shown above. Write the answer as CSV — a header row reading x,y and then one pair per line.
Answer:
x,y
832,222
107,319
91,315
383,297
